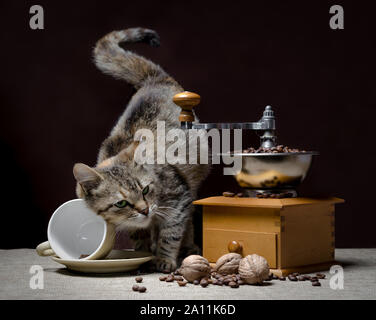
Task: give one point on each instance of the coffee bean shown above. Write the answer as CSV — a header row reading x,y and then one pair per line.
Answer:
x,y
233,284
274,277
240,282
301,278
162,278
196,282
178,278
182,283
170,278
215,281
239,195
204,283
139,279
142,289
313,279
295,274
320,275
292,278
238,276
135,287
228,194
219,283
227,281
316,284
282,278
221,279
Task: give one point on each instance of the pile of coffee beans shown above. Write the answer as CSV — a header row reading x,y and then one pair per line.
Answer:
x,y
303,277
278,149
231,280
215,278
232,194
280,195
138,288
174,276
260,195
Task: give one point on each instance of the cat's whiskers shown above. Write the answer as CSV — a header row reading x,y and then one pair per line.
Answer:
x,y
164,212
170,208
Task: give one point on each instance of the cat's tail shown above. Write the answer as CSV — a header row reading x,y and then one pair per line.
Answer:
x,y
122,64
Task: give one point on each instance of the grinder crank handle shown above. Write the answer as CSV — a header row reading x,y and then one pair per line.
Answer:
x,y
186,101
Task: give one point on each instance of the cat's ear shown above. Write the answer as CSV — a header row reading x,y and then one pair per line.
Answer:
x,y
87,177
127,154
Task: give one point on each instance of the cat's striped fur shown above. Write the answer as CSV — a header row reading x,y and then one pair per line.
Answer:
x,y
160,219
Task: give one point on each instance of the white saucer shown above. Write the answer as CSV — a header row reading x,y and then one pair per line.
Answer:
x,y
116,261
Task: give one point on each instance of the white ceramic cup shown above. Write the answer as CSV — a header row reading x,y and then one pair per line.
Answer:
x,y
76,230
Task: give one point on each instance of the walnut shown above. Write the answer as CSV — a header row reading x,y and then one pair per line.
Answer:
x,y
253,269
228,263
195,267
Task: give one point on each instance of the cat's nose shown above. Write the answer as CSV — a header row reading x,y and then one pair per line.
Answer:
x,y
145,211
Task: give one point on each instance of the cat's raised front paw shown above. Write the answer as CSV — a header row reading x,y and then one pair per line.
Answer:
x,y
164,264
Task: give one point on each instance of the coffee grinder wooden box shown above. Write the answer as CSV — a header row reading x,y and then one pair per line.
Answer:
x,y
293,234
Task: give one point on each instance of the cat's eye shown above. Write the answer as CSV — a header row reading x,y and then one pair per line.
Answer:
x,y
146,190
121,203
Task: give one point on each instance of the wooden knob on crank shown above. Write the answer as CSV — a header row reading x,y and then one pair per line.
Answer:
x,y
186,101
234,246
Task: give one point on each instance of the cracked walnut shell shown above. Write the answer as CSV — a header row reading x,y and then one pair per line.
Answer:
x,y
228,263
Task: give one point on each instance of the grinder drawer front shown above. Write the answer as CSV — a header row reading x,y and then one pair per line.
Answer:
x,y
216,243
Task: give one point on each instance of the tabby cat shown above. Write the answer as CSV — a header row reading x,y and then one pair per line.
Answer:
x,y
152,202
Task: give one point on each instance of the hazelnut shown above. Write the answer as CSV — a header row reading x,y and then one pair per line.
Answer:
x,y
228,263
195,267
253,269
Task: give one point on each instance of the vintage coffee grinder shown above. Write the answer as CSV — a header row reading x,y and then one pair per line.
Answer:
x,y
294,234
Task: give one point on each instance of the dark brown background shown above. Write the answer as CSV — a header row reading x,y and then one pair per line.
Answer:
x,y
56,107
